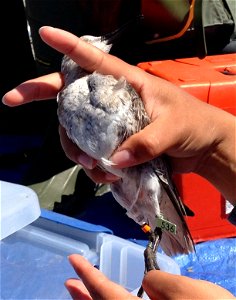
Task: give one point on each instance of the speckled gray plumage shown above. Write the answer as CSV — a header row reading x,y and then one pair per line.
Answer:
x,y
99,112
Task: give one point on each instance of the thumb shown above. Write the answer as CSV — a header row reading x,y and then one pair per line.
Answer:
x,y
162,285
145,145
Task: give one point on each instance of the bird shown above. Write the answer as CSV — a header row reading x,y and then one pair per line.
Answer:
x,y
99,112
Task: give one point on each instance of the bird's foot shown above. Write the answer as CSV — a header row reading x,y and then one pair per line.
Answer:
x,y
150,261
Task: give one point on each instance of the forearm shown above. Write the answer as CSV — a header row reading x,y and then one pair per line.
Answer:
x,y
219,166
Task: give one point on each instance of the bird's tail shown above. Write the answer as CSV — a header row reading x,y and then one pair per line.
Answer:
x,y
178,240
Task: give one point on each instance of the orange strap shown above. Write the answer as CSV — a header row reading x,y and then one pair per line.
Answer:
x,y
181,32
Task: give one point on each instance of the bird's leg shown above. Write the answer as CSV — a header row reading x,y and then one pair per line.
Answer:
x,y
150,252
151,249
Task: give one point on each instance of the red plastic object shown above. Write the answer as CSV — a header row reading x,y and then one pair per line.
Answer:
x,y
212,80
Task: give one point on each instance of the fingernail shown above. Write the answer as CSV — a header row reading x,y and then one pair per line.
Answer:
x,y
111,177
48,27
15,96
123,157
86,161
3,100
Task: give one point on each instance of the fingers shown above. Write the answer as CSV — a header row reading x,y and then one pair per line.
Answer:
x,y
157,284
97,285
41,88
161,285
77,289
167,287
86,55
146,145
89,57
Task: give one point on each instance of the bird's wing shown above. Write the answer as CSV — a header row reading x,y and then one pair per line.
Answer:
x,y
172,209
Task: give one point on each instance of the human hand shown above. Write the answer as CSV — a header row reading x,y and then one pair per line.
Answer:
x,y
191,132
94,284
157,284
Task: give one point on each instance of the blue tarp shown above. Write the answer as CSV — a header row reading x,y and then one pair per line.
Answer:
x,y
214,261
